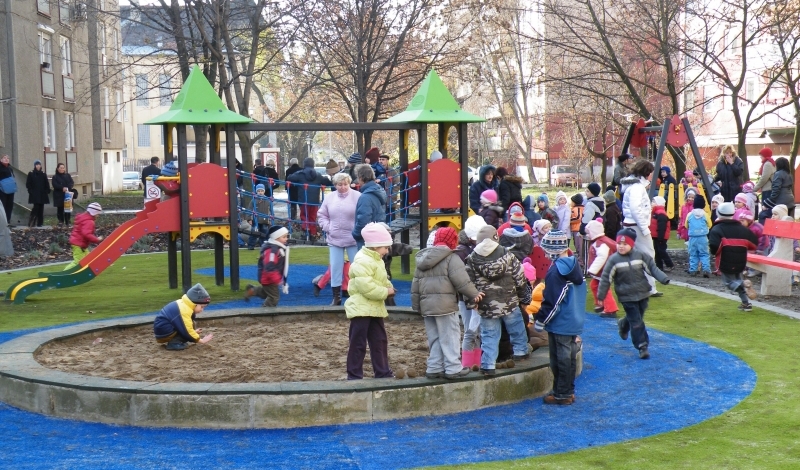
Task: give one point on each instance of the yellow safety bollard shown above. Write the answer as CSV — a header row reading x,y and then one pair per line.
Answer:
x,y
670,201
701,192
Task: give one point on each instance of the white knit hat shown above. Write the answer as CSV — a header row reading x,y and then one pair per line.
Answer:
x,y
659,201
94,208
781,211
472,225
594,230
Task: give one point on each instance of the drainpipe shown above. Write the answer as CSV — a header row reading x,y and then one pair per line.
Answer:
x,y
12,84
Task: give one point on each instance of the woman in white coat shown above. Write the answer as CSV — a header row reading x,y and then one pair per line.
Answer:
x,y
636,211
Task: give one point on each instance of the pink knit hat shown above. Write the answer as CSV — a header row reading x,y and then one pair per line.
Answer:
x,y
530,271
594,230
741,197
490,195
376,235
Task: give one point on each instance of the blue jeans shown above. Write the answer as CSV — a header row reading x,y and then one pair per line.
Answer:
x,y
490,337
698,253
470,340
563,360
634,323
336,260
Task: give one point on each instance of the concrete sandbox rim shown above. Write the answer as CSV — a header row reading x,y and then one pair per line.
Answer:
x,y
26,384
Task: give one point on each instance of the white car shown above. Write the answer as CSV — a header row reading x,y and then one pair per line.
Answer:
x,y
131,180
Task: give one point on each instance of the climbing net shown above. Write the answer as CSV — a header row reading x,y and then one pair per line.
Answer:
x,y
295,205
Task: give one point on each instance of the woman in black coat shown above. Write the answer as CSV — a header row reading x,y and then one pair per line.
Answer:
x,y
509,189
38,190
781,193
729,174
6,199
62,183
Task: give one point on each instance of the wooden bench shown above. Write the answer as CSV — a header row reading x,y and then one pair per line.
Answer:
x,y
777,267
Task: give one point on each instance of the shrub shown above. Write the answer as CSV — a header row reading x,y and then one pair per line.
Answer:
x,y
55,248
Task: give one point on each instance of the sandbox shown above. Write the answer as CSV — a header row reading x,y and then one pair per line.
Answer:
x,y
268,399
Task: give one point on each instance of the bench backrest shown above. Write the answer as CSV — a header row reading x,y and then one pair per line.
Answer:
x,y
782,229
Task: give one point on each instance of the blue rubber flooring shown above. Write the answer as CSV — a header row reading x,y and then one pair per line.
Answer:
x,y
620,397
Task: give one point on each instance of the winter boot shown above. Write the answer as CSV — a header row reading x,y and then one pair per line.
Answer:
x,y
337,296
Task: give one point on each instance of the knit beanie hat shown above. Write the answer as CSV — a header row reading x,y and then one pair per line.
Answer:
x,y
198,294
332,167
691,191
541,224
699,202
594,188
260,187
659,201
780,210
94,208
516,216
747,215
610,197
741,197
766,153
376,235
354,158
559,195
489,196
36,162
530,271
726,210
577,199
594,230
308,163
719,199
554,243
543,197
627,235
473,225
373,154
170,169
687,173
748,187
487,232
276,231
446,236
436,155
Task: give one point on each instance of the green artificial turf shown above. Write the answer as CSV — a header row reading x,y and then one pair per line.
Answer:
x,y
761,432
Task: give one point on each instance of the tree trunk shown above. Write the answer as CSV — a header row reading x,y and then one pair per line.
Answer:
x,y
201,143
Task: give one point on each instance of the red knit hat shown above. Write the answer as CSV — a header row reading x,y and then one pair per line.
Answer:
x,y
446,236
766,152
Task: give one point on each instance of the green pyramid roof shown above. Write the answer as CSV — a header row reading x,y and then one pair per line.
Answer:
x,y
198,103
434,103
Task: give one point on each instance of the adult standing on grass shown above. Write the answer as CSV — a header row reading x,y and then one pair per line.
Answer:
x,y
150,170
486,181
62,184
636,212
38,190
309,187
766,171
729,173
292,190
371,206
336,217
781,190
7,196
620,169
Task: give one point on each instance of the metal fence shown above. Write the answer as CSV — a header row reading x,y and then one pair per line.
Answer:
x,y
134,164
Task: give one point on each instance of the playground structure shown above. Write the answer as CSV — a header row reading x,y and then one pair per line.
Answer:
x,y
190,210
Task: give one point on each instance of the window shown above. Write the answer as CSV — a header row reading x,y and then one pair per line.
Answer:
x,y
141,90
688,100
732,42
143,131
115,45
66,56
45,50
691,50
105,158
43,6
118,101
125,113
72,163
69,131
63,12
750,92
50,163
49,129
101,5
107,113
709,98
164,92
101,31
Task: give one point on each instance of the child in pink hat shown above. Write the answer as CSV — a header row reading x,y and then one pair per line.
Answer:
x,y
491,211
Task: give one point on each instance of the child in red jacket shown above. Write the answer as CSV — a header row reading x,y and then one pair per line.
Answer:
x,y
83,234
659,228
274,266
600,249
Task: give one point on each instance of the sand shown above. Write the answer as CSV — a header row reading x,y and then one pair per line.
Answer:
x,y
257,351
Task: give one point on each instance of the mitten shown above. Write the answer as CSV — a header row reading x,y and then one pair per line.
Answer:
x,y
538,326
285,289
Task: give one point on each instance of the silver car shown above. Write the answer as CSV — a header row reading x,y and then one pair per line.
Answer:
x,y
131,180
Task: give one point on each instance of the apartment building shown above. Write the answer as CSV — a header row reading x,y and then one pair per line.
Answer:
x,y
57,89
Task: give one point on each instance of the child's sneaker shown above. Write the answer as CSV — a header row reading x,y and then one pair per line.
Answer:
x,y
644,353
795,280
706,274
598,308
608,315
748,289
748,307
622,333
693,273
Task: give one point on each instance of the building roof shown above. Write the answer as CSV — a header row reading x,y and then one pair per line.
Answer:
x,y
198,103
434,103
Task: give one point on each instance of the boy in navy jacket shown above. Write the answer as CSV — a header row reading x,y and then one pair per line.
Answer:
x,y
562,314
174,324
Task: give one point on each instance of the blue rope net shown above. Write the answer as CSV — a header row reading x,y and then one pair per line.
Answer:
x,y
274,207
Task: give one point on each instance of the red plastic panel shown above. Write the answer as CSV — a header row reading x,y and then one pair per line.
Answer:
x,y
208,191
540,261
444,185
677,136
782,229
639,140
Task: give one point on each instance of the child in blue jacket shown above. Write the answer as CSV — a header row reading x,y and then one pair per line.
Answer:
x,y
562,314
174,324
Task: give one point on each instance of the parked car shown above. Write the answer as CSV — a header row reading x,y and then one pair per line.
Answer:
x,y
131,180
564,175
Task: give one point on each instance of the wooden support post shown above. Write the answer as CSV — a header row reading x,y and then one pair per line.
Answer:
x,y
423,180
186,251
441,136
405,260
699,160
172,261
463,159
662,144
233,216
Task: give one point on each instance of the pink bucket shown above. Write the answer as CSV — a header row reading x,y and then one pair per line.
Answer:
x,y
471,358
